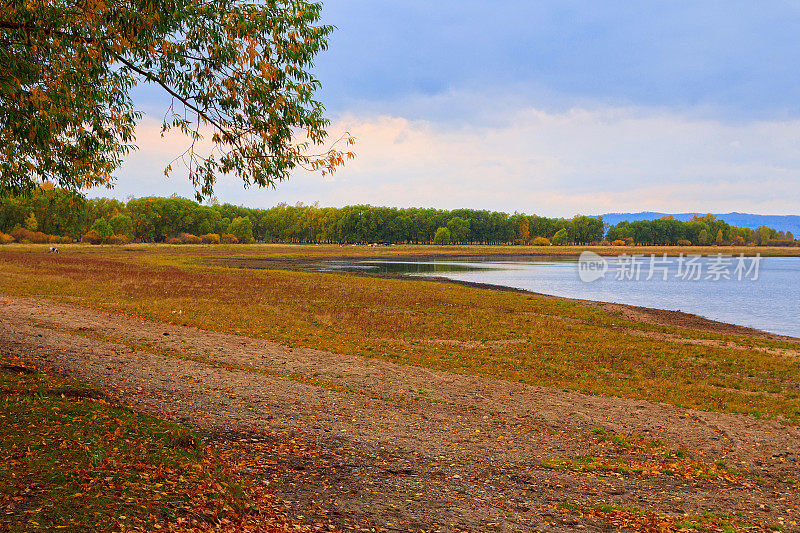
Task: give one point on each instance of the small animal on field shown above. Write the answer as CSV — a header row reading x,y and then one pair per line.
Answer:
x,y
53,250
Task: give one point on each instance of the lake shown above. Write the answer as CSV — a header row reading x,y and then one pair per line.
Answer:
x,y
761,293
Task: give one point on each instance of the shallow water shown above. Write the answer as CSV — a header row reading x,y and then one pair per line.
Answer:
x,y
762,294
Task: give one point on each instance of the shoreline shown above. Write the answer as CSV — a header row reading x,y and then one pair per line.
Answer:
x,y
330,251
651,315
458,252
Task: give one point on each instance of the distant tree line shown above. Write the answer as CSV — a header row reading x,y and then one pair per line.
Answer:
x,y
56,215
704,230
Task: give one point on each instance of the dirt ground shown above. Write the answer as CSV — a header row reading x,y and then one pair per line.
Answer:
x,y
406,448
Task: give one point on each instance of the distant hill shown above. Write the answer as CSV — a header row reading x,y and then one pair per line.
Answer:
x,y
742,220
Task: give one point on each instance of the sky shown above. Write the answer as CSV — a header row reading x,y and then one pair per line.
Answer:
x,y
548,107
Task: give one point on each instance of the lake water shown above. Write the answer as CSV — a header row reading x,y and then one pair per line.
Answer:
x,y
762,294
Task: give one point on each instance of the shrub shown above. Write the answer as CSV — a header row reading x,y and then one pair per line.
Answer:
x,y
174,240
684,242
18,234
5,238
210,238
28,236
541,241
618,242
777,242
738,241
227,238
58,239
119,239
605,243
21,234
91,237
188,238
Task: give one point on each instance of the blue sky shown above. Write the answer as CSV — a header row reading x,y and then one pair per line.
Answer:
x,y
549,107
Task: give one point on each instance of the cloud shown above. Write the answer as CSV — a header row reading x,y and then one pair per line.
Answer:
x,y
732,54
142,172
551,107
580,160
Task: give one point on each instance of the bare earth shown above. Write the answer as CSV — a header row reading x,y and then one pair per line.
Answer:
x,y
406,448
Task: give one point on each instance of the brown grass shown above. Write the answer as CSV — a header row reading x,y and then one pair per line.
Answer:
x,y
72,462
556,343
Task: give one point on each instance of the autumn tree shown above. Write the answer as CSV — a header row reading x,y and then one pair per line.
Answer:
x,y
31,223
524,234
236,72
764,234
442,236
561,237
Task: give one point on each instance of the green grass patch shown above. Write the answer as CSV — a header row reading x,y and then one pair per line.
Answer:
x,y
631,519
633,454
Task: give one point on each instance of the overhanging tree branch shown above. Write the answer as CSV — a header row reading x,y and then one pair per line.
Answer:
x,y
151,77
239,67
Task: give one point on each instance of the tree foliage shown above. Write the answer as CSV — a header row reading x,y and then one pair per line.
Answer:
x,y
442,236
122,225
242,229
561,237
237,72
700,230
62,213
103,228
31,223
459,230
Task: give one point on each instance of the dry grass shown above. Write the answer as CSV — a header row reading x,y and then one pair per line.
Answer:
x,y
556,342
75,463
